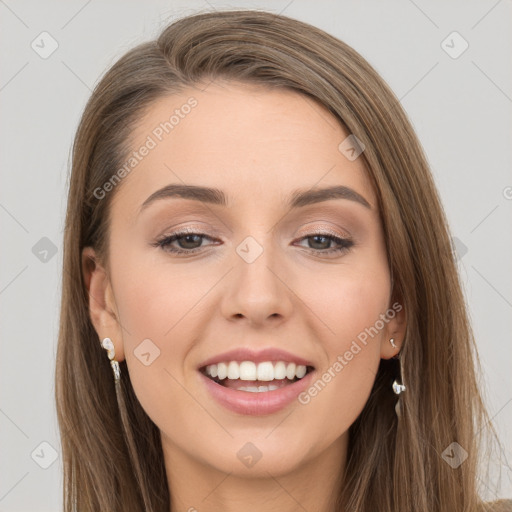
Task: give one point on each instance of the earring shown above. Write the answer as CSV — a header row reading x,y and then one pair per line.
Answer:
x,y
392,341
398,388
109,347
398,385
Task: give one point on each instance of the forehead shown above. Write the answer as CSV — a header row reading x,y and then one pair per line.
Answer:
x,y
255,143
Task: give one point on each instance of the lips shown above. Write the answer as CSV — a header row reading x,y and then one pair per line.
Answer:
x,y
256,403
255,382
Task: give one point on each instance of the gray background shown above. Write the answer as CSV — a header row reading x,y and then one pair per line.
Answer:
x,y
460,108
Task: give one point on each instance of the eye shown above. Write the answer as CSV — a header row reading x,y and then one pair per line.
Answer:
x,y
321,243
189,242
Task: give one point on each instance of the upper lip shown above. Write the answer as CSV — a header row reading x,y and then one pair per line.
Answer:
x,y
257,356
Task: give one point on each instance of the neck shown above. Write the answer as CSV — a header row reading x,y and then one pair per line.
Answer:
x,y
312,484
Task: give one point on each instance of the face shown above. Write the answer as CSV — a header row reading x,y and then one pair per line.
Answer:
x,y
275,281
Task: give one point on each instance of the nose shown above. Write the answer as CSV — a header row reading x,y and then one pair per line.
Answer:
x,y
257,290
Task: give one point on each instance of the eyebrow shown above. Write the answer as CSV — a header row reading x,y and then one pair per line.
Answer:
x,y
298,198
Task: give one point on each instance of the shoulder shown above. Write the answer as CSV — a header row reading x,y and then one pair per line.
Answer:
x,y
497,506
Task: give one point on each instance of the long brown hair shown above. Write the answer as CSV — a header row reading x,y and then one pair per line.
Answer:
x,y
112,452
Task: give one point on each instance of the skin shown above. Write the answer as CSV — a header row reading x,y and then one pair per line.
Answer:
x,y
257,145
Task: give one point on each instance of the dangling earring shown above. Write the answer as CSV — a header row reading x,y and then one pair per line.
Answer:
x,y
398,385
109,347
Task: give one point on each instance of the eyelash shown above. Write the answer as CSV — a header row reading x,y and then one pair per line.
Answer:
x,y
164,243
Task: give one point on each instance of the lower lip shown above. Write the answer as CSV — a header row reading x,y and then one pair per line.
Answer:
x,y
256,404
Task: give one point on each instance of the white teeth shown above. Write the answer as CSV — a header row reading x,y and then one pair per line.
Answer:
x,y
222,370
248,370
300,371
290,371
263,389
252,389
233,370
266,371
258,389
280,370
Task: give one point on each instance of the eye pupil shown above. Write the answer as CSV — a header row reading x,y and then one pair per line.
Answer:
x,y
187,239
316,237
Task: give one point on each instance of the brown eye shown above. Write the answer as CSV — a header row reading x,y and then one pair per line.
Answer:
x,y
322,243
188,242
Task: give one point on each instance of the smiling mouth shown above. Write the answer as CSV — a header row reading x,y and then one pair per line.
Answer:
x,y
256,378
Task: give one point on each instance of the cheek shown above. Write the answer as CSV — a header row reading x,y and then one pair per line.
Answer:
x,y
352,310
153,298
154,309
154,306
353,314
356,308
351,352
347,302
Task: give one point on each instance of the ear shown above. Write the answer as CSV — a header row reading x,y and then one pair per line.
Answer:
x,y
395,328
102,307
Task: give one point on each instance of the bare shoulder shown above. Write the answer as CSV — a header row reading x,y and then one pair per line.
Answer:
x,y
497,506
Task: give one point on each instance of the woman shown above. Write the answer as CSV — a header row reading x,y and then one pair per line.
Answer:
x,y
255,242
